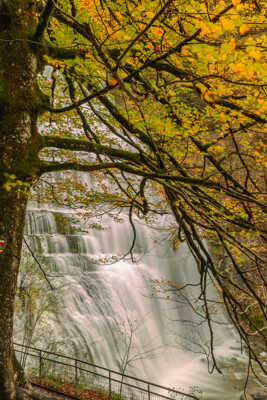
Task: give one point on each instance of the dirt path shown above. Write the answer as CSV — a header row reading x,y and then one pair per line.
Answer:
x,y
48,395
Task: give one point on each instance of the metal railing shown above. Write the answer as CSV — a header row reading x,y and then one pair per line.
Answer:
x,y
47,368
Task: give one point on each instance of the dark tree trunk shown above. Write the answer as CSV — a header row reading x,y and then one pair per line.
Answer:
x,y
18,150
12,213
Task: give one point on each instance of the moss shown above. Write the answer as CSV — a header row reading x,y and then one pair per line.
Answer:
x,y
25,169
2,90
43,101
258,321
255,320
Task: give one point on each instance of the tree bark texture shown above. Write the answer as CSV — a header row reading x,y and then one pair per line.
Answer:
x,y
18,150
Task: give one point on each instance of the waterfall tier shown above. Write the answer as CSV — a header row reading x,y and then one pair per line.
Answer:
x,y
108,311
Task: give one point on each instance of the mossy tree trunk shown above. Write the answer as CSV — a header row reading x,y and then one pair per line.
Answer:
x,y
18,148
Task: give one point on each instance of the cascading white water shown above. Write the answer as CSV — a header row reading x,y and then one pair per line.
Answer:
x,y
107,308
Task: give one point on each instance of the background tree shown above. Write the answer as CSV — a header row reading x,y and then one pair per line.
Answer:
x,y
36,301
172,95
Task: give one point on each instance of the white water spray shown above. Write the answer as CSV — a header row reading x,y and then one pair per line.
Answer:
x,y
109,313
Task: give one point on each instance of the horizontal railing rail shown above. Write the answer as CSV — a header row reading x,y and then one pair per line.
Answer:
x,y
41,365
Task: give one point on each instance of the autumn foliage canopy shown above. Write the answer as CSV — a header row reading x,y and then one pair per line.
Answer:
x,y
169,99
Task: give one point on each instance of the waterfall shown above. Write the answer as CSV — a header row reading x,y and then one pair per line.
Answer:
x,y
108,312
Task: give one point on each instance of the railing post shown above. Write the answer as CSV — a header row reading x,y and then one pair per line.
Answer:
x,y
109,385
148,391
40,365
76,375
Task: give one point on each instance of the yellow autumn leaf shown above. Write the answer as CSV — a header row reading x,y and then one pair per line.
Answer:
x,y
211,59
140,8
244,29
118,15
221,4
249,73
149,14
203,7
254,53
157,31
113,82
222,116
232,44
149,45
227,24
7,187
208,96
236,2
204,29
237,67
220,90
